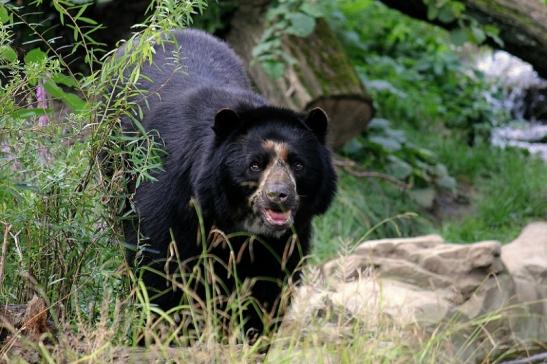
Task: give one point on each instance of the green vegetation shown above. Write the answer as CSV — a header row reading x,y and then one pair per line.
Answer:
x,y
56,204
430,134
435,117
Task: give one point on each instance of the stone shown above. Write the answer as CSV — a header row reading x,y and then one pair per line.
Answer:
x,y
526,261
426,282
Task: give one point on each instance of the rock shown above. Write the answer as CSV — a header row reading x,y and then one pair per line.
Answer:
x,y
425,282
526,261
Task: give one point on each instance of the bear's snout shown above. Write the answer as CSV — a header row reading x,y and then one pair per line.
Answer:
x,y
279,188
277,193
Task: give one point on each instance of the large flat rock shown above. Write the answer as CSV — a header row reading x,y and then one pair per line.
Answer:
x,y
427,282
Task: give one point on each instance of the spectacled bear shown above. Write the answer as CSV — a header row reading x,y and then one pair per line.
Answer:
x,y
257,175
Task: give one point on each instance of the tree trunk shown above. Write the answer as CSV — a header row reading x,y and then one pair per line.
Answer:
x,y
322,76
522,24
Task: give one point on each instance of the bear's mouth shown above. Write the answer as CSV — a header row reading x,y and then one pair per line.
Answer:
x,y
277,219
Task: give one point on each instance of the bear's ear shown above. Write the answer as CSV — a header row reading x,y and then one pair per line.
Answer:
x,y
318,121
226,121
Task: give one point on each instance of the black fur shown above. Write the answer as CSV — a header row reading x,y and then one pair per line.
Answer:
x,y
208,160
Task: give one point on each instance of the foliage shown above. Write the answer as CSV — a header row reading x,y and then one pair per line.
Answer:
x,y
56,129
441,108
363,210
284,17
468,30
416,78
298,18
382,147
509,191
414,73
214,17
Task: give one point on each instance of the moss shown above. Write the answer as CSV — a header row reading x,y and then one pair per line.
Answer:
x,y
323,52
513,14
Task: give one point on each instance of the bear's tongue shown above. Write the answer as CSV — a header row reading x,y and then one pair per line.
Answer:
x,y
277,218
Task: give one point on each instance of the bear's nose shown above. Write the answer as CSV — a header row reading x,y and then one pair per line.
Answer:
x,y
277,193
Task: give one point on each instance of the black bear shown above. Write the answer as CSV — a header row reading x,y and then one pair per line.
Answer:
x,y
257,175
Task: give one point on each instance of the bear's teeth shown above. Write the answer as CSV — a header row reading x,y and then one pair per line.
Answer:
x,y
277,218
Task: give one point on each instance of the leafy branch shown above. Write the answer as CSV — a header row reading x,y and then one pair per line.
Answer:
x,y
285,17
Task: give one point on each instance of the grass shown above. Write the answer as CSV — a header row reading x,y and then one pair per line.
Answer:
x,y
507,188
511,192
365,209
320,333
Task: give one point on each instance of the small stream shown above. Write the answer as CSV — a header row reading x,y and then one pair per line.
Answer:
x,y
526,102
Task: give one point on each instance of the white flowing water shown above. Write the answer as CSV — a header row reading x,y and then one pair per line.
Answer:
x,y
515,77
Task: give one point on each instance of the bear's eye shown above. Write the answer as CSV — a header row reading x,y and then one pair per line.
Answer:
x,y
255,167
298,166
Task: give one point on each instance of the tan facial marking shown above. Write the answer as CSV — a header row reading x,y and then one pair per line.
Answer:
x,y
280,149
262,182
249,184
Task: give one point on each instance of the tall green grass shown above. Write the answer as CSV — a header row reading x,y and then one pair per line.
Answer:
x,y
510,191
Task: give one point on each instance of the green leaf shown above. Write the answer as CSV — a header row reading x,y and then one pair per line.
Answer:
x,y
4,15
35,55
389,144
265,47
87,20
71,100
60,10
446,15
301,24
457,8
274,69
74,102
423,196
432,12
446,182
378,124
27,113
491,30
440,170
7,53
398,135
459,36
65,80
277,11
478,34
81,11
53,90
426,155
312,9
353,147
398,168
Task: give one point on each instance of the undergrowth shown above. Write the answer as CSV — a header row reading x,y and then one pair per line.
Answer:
x,y
435,123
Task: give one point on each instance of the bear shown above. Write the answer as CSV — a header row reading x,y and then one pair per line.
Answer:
x,y
241,181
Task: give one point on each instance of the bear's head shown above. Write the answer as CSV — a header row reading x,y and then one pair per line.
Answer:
x,y
270,170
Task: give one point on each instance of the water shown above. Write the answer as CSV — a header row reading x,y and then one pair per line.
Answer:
x,y
531,137
517,78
